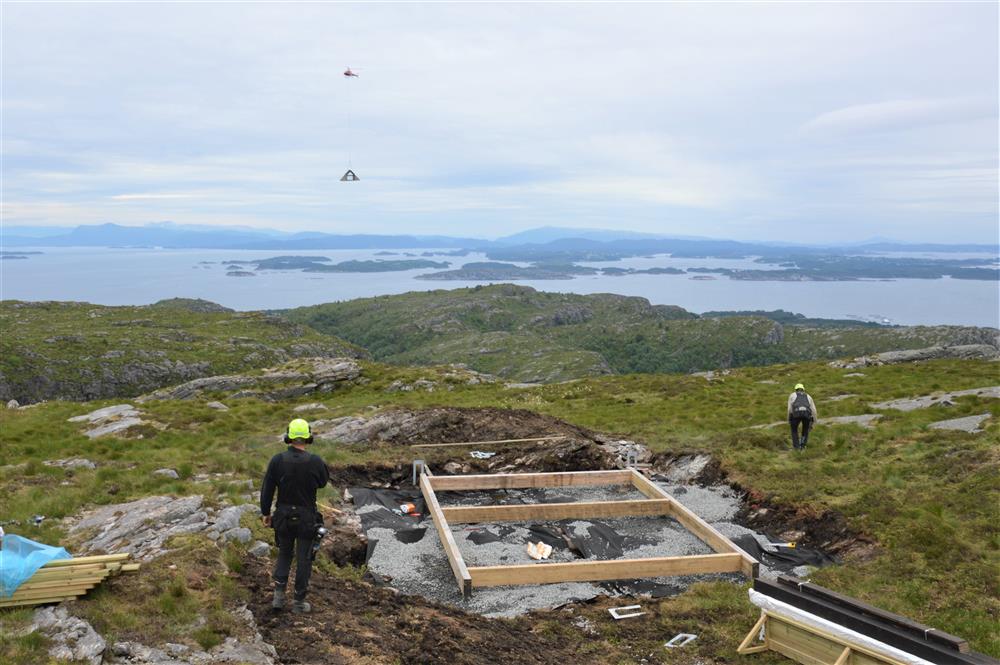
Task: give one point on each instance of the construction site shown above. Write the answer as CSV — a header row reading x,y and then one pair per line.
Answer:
x,y
507,535
473,543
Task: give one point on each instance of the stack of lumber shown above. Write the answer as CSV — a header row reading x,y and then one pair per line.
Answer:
x,y
66,579
810,624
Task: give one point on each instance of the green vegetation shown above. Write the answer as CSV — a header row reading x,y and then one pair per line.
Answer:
x,y
83,351
927,498
526,335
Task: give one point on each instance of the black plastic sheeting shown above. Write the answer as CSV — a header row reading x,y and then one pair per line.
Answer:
x,y
601,542
786,558
388,514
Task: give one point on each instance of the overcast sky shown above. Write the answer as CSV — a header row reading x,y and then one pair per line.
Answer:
x,y
801,122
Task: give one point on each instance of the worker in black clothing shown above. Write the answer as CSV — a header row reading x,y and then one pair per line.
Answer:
x,y
296,474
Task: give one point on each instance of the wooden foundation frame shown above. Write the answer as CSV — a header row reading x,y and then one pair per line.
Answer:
x,y
727,558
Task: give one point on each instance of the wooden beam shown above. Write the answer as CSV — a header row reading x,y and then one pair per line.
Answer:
x,y
556,511
78,569
68,590
55,584
66,574
744,646
696,525
7,602
487,443
844,656
522,480
78,561
447,539
595,571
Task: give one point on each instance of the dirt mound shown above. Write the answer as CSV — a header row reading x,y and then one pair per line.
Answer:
x,y
444,425
354,622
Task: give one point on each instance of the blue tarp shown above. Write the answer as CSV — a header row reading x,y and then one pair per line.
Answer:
x,y
20,558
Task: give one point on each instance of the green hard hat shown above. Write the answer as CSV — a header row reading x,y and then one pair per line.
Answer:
x,y
298,429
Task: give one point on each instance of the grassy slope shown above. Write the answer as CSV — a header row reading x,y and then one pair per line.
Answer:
x,y
79,350
550,336
928,497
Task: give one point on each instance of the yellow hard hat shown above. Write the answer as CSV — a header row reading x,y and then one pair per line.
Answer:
x,y
799,386
298,429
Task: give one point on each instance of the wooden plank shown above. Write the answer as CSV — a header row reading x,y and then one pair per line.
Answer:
x,y
447,539
798,656
595,571
696,525
486,443
844,655
34,601
556,511
66,574
75,570
744,646
100,558
75,590
55,584
523,480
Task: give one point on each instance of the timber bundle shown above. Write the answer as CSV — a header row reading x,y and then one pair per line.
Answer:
x,y
66,579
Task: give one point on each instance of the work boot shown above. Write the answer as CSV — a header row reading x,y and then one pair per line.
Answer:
x,y
279,598
301,607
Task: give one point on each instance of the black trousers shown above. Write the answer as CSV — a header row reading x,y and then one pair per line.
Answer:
x,y
294,532
806,423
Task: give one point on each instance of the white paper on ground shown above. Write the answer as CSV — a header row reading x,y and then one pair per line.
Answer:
x,y
782,609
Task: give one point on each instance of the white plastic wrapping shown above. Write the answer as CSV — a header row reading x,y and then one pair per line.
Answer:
x,y
782,609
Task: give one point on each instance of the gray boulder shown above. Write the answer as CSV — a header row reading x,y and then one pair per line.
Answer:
x,y
71,463
71,637
238,535
259,548
139,527
107,413
937,399
968,424
301,377
167,473
961,351
218,406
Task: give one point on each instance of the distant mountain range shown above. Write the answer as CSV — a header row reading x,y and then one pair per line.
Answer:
x,y
541,244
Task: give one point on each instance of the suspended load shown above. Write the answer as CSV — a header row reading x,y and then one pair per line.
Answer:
x,y
350,176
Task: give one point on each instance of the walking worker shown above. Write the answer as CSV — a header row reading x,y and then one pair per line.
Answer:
x,y
801,411
296,474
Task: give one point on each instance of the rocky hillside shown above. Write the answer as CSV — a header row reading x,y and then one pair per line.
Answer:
x,y
172,477
522,334
80,351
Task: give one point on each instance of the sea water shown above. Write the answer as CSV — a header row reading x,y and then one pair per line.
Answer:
x,y
141,276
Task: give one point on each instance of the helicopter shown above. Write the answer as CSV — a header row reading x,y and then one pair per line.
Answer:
x,y
348,73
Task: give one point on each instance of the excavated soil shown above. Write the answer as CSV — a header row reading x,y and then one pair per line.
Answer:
x,y
355,622
454,424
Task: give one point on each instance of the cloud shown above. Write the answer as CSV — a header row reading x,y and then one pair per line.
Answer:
x,y
484,119
900,115
150,197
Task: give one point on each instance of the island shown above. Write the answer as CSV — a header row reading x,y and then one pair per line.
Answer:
x,y
486,271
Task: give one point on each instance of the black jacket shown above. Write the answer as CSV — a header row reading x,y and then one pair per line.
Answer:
x,y
296,475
